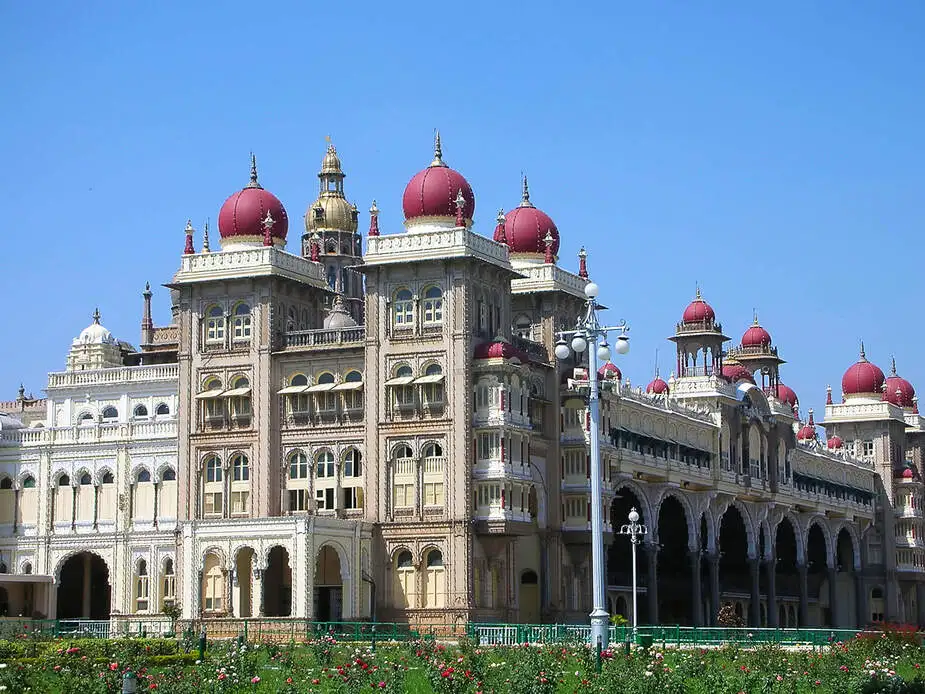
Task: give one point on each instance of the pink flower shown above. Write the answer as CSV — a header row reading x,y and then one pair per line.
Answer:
x,y
382,685
780,679
255,679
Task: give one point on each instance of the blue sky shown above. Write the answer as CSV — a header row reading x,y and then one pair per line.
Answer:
x,y
769,151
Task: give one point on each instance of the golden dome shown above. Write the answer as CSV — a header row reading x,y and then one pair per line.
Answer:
x,y
331,162
335,213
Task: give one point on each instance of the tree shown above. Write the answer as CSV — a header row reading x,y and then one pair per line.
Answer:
x,y
727,617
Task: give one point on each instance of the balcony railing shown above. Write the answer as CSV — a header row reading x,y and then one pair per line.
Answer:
x,y
325,338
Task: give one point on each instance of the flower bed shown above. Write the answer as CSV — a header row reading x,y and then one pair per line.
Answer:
x,y
888,662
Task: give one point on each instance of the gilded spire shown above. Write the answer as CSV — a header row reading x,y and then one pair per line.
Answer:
x,y
755,316
205,238
697,292
438,151
525,195
863,355
892,365
254,183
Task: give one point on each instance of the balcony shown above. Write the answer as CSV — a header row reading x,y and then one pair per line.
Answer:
x,y
127,374
325,339
534,350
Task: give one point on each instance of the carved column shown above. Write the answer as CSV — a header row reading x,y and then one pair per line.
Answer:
x,y
257,590
833,596
754,566
652,585
860,598
804,596
696,589
714,588
771,573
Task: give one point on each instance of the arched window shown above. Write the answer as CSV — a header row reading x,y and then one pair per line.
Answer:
x,y
433,450
326,377
523,327
143,476
7,501
162,410
433,474
169,585
352,389
213,487
403,309
432,384
404,580
352,463
169,475
242,322
27,567
299,380
28,482
110,414
240,488
6,483
434,580
27,502
108,478
64,481
85,479
239,399
326,474
353,377
297,397
325,464
433,306
142,586
3,567
402,388
213,588
299,482
140,411
215,324
84,418
404,474
167,496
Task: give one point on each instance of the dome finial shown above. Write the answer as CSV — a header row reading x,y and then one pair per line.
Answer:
x,y
438,151
863,355
188,250
755,316
892,365
205,238
373,219
254,183
583,263
525,195
500,233
96,315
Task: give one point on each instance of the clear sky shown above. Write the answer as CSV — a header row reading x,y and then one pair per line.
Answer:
x,y
771,152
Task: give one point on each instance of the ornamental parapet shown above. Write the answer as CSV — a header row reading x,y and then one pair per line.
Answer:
x,y
257,261
548,278
434,245
126,374
326,338
871,410
91,433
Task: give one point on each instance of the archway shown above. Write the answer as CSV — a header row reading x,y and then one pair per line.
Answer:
x,y
816,574
619,556
786,576
845,612
529,598
674,572
83,588
733,559
243,570
277,584
328,586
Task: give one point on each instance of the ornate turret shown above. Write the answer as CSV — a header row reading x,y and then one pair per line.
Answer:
x,y
756,353
699,337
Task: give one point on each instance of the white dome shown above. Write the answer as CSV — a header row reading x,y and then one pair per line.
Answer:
x,y
95,334
338,317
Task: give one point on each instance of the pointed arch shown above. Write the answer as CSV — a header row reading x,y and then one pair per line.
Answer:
x,y
820,522
640,492
747,520
682,499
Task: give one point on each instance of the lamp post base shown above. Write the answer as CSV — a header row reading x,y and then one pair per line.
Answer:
x,y
600,628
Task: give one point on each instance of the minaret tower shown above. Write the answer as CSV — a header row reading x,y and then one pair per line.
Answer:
x,y
759,356
335,221
699,337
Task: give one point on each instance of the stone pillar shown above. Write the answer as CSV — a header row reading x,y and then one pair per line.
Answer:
x,y
652,585
833,597
714,588
860,598
85,597
696,589
804,596
257,592
754,566
771,572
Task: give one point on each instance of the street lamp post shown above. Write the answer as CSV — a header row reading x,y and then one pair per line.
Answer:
x,y
591,335
635,530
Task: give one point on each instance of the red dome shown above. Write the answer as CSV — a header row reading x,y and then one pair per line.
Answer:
x,y
834,442
242,215
432,192
786,394
898,390
610,370
756,336
736,372
658,386
908,474
698,311
862,378
807,433
525,228
499,350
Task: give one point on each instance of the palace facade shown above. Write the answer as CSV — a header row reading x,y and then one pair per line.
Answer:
x,y
350,434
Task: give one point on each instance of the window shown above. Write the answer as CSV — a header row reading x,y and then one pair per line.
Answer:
x,y
299,482
327,399
433,306
213,405
324,464
85,479
242,322
213,589
404,580
240,399
298,466
143,476
169,584
108,478
324,498
64,481
28,482
141,586
84,418
240,468
353,394
432,383
297,395
433,493
140,411
403,495
404,391
110,414
6,483
488,446
169,475
162,410
433,450
213,488
215,325
403,309
483,397
353,463
434,580
239,502
353,497
27,568
298,500
523,327
868,449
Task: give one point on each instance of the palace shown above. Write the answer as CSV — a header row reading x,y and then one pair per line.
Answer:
x,y
342,434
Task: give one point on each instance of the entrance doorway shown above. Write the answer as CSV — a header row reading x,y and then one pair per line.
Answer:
x,y
529,598
328,587
83,588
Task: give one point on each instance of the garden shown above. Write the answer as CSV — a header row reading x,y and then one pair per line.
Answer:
x,y
888,661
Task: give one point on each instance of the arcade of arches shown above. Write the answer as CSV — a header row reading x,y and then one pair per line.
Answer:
x,y
770,576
